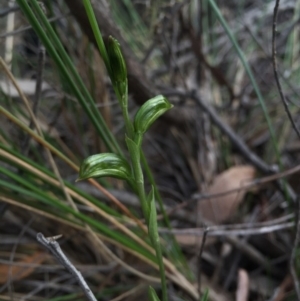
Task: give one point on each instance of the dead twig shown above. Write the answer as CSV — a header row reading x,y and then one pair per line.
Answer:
x,y
275,68
52,245
216,231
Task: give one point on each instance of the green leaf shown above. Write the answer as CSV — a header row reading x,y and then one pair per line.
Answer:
x,y
149,112
105,165
96,31
152,294
118,67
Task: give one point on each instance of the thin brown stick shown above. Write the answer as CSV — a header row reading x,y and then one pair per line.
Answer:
x,y
275,67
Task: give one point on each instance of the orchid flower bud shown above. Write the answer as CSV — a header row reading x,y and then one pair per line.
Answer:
x,y
118,67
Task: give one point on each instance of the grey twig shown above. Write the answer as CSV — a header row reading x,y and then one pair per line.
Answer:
x,y
52,245
275,67
221,231
294,251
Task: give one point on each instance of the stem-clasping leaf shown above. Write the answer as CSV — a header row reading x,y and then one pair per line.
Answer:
x,y
105,165
133,148
149,112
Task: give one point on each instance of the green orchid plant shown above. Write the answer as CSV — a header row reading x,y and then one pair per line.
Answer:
x,y
114,165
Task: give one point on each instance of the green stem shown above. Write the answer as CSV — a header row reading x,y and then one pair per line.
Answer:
x,y
138,140
97,33
123,100
135,155
139,180
128,123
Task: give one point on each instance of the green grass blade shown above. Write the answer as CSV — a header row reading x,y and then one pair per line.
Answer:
x,y
35,192
35,166
67,69
97,33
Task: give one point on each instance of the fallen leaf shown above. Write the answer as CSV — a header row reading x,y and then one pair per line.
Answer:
x,y
220,209
24,268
